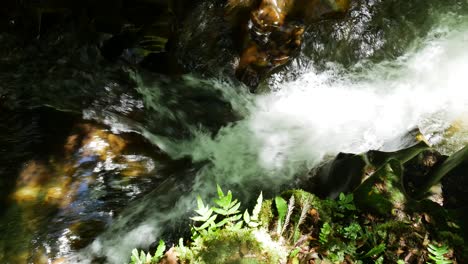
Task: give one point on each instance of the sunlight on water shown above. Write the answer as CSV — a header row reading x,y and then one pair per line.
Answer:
x,y
292,129
320,114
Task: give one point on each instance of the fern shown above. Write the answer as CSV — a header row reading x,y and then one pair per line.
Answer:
x,y
143,258
305,208
352,231
254,221
227,206
288,215
159,252
205,215
437,254
325,232
226,212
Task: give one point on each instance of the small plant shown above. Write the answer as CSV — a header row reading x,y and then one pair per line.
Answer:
x,y
143,258
288,215
205,215
282,208
227,212
325,232
254,221
227,208
345,203
375,251
437,254
304,210
352,231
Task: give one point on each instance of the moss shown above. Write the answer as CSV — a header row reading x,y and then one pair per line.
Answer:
x,y
303,198
239,246
382,193
266,214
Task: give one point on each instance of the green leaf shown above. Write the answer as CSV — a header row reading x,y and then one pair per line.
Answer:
x,y
204,212
220,211
352,231
229,197
342,197
208,223
181,243
234,209
325,232
235,217
247,217
294,252
225,202
253,224
204,215
135,258
220,191
437,254
281,207
238,225
159,251
200,203
257,208
375,251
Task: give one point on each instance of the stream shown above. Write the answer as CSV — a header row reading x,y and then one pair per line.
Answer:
x,y
99,157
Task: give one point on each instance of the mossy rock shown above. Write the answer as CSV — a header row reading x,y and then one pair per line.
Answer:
x,y
266,214
234,246
382,192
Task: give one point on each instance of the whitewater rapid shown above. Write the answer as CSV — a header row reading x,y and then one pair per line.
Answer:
x,y
290,130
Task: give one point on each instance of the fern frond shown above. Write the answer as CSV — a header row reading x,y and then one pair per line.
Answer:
x,y
288,215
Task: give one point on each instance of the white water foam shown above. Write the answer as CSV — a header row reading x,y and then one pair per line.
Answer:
x,y
292,129
334,111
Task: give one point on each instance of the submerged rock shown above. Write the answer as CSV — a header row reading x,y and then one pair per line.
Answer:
x,y
61,200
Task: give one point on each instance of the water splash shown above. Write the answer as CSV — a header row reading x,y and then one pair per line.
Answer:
x,y
289,131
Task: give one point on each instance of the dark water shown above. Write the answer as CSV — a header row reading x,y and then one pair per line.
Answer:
x,y
97,148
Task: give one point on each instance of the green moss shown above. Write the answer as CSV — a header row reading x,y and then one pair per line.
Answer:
x,y
266,214
240,246
383,191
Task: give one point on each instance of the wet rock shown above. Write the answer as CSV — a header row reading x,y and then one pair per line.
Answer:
x,y
383,193
343,174
273,31
417,170
455,187
347,171
63,199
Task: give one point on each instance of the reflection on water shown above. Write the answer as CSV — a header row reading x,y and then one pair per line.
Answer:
x,y
64,198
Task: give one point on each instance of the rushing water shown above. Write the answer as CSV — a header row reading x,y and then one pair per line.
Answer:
x,y
190,133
